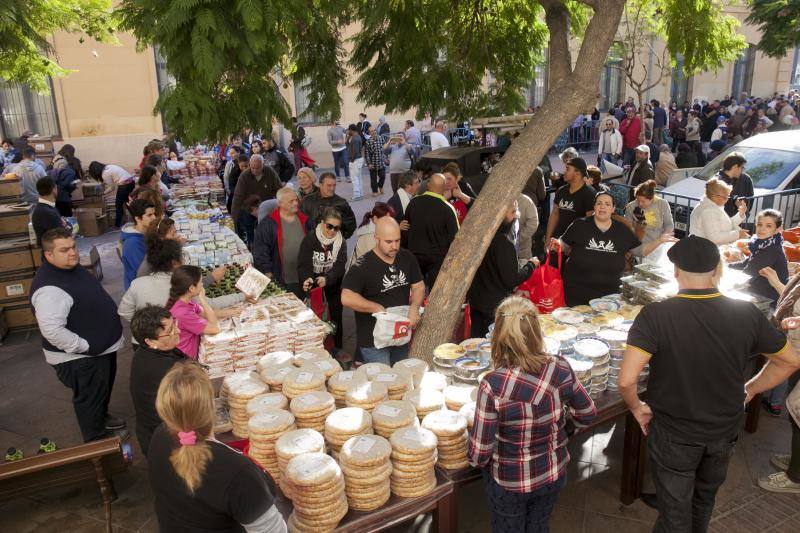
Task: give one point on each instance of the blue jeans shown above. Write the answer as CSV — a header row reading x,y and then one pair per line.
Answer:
x,y
527,512
340,160
388,356
687,476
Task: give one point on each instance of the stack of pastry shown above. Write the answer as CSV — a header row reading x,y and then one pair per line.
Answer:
x,y
302,358
345,423
339,382
433,380
274,358
273,375
231,379
391,415
365,463
425,401
450,428
468,411
264,429
366,395
318,493
239,393
456,396
302,380
415,367
413,459
369,370
311,409
270,400
397,380
329,366
292,444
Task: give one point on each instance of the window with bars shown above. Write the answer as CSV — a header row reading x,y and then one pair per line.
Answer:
x,y
22,109
610,84
301,104
534,95
743,71
679,84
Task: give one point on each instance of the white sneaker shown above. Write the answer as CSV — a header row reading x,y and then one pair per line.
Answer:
x,y
780,461
779,482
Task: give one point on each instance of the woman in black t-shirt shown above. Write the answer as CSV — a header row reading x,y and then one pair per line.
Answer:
x,y
199,483
597,247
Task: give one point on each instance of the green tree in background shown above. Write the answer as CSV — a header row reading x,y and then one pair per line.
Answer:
x,y
779,22
26,56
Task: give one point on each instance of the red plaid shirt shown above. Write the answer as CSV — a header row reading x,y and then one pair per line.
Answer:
x,y
519,424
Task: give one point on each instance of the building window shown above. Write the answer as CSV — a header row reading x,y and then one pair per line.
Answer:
x,y
535,93
301,104
22,109
163,77
679,86
794,82
610,84
743,72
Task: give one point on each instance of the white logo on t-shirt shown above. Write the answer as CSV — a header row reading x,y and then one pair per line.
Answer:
x,y
395,278
569,206
602,246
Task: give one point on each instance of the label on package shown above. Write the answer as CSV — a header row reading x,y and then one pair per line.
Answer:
x,y
363,445
386,410
385,377
304,377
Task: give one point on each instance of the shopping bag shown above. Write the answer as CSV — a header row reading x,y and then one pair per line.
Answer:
x,y
392,327
544,288
317,302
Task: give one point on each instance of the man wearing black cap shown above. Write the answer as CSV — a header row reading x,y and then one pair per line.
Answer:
x,y
573,200
698,345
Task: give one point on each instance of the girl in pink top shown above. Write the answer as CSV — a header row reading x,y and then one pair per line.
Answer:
x,y
191,310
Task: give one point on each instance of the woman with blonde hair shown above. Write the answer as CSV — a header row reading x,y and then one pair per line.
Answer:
x,y
198,482
709,219
518,438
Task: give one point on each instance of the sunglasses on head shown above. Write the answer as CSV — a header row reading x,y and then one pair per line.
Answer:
x,y
331,227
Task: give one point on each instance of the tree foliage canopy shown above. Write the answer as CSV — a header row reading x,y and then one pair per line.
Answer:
x,y
25,25
779,22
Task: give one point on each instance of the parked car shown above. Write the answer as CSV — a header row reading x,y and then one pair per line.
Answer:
x,y
773,163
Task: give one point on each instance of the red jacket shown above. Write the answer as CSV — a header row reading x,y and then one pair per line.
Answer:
x,y
630,130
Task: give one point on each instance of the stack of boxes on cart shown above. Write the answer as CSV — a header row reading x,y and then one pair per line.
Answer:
x,y
92,210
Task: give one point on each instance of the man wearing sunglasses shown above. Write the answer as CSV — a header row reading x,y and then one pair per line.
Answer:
x,y
157,334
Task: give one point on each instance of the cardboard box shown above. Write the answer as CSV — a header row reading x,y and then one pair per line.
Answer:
x,y
15,287
90,222
14,220
15,256
77,194
3,324
19,315
92,188
92,263
36,254
10,190
92,203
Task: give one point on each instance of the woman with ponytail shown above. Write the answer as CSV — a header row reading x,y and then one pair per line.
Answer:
x,y
518,436
200,484
189,306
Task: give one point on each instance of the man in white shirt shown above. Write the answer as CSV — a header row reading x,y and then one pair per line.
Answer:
x,y
438,139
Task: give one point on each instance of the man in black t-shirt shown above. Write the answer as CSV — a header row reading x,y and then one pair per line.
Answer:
x,y
698,344
572,201
387,276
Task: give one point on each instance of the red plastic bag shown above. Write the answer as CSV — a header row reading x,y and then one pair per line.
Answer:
x,y
317,302
544,288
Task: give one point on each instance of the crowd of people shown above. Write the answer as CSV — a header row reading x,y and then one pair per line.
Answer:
x,y
297,228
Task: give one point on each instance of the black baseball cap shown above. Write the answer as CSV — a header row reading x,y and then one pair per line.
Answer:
x,y
694,254
578,164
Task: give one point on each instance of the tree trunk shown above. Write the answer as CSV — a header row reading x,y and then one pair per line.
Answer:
x,y
571,91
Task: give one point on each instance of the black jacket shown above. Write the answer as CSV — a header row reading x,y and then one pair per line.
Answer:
x,y
742,188
314,204
433,225
498,275
686,160
397,205
311,261
45,217
284,168
771,256
148,367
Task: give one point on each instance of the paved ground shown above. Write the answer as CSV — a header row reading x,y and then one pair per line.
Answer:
x,y
34,404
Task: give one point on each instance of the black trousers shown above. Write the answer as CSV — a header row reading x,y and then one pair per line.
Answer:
x,y
687,476
794,463
480,322
429,265
121,200
377,177
91,380
334,296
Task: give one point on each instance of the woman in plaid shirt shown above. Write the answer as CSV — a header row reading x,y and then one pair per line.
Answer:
x,y
518,438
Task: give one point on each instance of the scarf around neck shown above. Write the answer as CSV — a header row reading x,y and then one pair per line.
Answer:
x,y
325,241
756,245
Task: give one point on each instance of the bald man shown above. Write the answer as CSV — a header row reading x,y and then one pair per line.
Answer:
x,y
386,276
433,225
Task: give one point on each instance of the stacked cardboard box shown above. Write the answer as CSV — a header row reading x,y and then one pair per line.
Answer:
x,y
16,275
91,210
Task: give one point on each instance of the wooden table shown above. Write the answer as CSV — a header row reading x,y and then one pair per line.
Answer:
x,y
610,406
397,510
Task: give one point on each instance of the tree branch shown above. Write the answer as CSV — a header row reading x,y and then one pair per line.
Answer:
x,y
557,19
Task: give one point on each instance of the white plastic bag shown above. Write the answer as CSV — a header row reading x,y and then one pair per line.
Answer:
x,y
392,327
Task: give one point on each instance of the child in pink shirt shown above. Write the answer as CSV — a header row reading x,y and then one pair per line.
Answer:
x,y
189,307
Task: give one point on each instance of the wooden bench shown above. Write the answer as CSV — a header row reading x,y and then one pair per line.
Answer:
x,y
97,460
